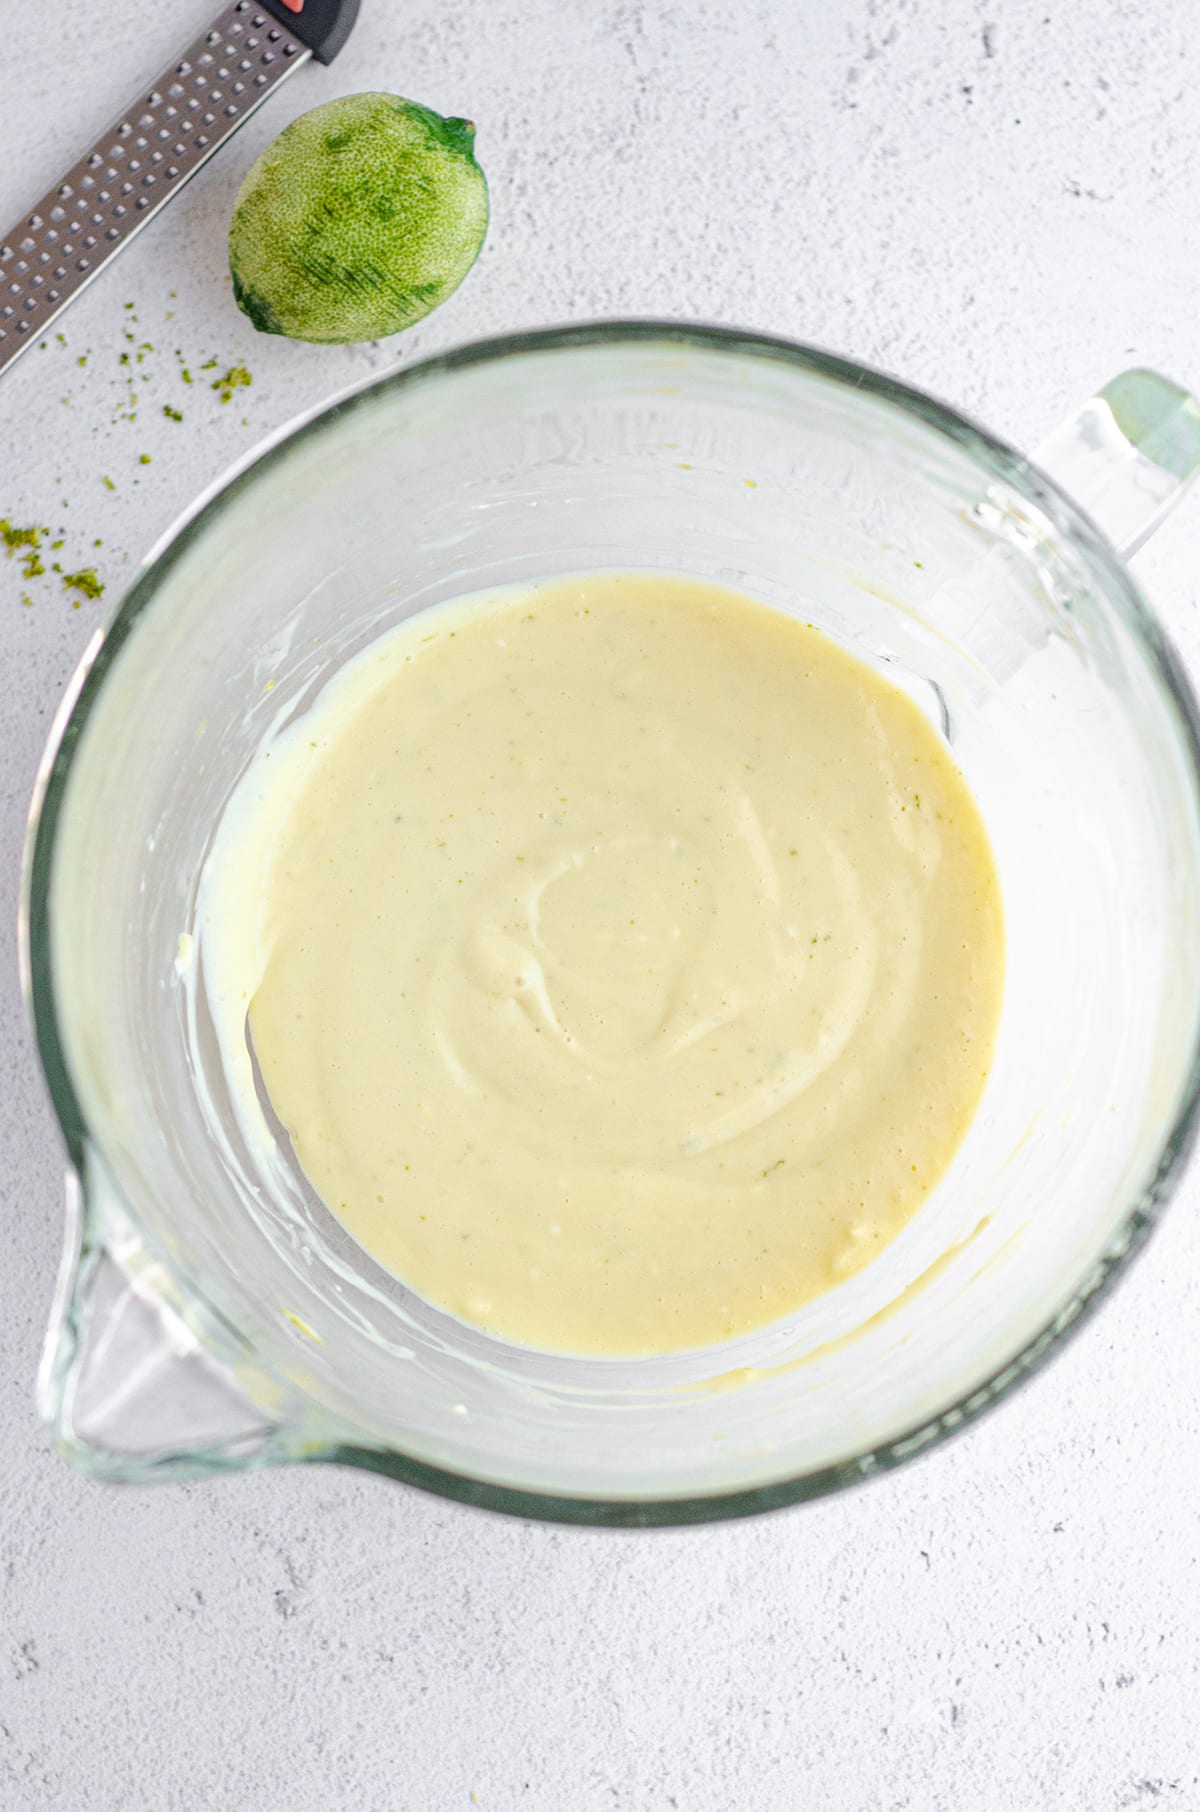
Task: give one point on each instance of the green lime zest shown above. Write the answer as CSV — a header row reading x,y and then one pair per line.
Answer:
x,y
84,581
236,378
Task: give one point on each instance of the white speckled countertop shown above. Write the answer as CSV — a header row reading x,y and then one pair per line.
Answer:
x,y
999,200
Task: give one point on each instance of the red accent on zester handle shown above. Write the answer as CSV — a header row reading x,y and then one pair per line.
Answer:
x,y
294,6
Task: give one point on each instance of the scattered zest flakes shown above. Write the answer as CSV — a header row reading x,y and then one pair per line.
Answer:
x,y
236,378
13,538
84,581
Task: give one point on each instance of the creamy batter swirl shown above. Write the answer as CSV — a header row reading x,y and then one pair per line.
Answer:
x,y
623,958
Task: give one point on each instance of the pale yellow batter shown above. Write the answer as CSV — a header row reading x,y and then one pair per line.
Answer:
x,y
628,960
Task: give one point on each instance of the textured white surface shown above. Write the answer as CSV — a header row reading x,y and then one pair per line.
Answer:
x,y
998,200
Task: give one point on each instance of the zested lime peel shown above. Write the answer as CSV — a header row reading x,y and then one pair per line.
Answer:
x,y
362,216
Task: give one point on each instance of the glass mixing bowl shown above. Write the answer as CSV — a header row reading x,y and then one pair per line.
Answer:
x,y
209,1319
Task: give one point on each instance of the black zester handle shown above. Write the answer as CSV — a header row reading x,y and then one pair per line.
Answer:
x,y
149,152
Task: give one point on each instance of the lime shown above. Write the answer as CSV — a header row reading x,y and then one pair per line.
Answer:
x,y
358,219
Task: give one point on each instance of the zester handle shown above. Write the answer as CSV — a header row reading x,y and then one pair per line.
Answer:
x,y
149,152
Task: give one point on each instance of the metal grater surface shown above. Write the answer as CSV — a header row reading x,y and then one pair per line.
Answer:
x,y
135,167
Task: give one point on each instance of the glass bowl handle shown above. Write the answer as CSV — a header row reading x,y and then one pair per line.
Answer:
x,y
1127,455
